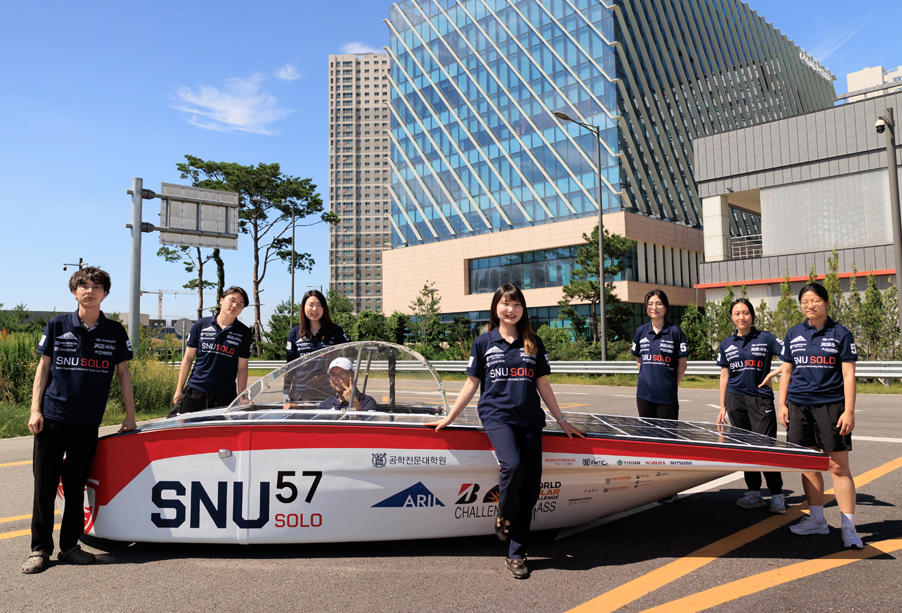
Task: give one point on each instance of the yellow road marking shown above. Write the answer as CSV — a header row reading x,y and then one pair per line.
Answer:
x,y
756,583
19,517
15,463
9,535
637,588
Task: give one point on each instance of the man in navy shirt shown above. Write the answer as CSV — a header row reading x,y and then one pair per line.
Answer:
x,y
222,345
79,353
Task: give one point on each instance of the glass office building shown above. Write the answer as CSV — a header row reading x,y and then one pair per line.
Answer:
x,y
476,148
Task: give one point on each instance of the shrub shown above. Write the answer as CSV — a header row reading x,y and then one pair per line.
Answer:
x,y
153,385
18,362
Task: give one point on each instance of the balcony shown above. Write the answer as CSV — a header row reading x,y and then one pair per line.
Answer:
x,y
745,247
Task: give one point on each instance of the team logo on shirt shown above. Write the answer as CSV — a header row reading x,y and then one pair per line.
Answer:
x,y
683,348
798,339
854,349
644,341
493,350
731,349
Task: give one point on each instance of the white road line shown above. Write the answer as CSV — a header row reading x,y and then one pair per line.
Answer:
x,y
575,394
622,396
713,406
704,487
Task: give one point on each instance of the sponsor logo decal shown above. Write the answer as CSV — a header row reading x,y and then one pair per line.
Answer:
x,y
468,493
417,496
619,488
591,462
655,462
643,483
491,497
68,336
798,339
628,462
550,490
610,480
680,463
577,501
379,460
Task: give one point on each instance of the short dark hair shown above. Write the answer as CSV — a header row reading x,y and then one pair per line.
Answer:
x,y
92,274
818,289
236,290
746,302
660,294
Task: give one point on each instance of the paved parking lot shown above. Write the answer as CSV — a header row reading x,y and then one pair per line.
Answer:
x,y
700,553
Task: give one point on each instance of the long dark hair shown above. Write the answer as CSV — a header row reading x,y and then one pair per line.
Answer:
x,y
746,302
524,329
325,321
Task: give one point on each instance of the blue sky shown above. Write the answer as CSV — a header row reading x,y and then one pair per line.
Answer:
x,y
95,93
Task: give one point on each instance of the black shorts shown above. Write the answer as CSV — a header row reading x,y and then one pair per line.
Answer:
x,y
755,413
659,411
815,426
193,400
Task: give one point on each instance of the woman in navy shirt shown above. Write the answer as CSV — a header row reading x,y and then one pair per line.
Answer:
x,y
511,364
316,330
817,405
661,355
744,359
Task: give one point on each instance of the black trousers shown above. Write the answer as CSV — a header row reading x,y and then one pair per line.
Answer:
x,y
660,411
757,414
78,443
519,453
193,400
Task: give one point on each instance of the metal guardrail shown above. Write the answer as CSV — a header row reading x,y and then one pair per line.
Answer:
x,y
863,370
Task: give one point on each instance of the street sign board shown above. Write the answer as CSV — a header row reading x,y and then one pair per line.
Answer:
x,y
198,217
183,327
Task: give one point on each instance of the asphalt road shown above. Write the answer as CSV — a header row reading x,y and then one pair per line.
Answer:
x,y
699,553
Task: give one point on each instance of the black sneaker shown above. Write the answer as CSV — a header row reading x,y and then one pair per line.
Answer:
x,y
517,567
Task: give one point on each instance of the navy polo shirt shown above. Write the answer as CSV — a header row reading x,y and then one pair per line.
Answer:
x,y
817,357
298,346
218,351
367,403
659,355
508,376
749,360
82,363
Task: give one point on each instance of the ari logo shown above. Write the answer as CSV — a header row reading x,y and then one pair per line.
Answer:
x,y
468,493
379,460
416,496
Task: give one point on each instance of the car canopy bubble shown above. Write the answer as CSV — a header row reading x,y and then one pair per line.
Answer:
x,y
361,375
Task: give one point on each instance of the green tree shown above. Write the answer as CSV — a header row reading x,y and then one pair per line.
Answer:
x,y
372,326
890,335
14,320
584,285
721,319
193,261
399,326
833,285
459,336
268,200
426,309
871,320
853,304
273,347
341,310
788,312
812,275
697,328
764,317
578,324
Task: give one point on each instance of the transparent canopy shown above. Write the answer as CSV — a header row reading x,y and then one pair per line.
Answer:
x,y
353,376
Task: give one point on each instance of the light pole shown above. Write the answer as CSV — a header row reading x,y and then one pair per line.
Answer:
x,y
603,326
886,123
81,264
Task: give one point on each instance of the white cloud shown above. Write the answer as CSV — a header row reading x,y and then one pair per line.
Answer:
x,y
829,46
288,72
358,47
239,107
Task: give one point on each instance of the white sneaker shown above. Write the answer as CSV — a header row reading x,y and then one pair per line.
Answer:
x,y
808,525
751,500
778,504
850,537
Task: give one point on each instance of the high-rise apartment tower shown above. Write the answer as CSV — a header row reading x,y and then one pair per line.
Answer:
x,y
358,176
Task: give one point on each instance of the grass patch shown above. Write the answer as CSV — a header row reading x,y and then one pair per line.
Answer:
x,y
14,417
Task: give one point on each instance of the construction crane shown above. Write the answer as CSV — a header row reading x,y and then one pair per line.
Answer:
x,y
160,293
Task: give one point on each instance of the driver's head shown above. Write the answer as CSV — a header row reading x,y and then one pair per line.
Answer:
x,y
341,373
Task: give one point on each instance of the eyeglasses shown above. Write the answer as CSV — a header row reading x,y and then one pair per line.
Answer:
x,y
340,376
814,303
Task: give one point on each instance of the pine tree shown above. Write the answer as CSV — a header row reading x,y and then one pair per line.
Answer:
x,y
870,320
833,285
722,322
764,317
696,327
853,305
890,335
788,312
812,275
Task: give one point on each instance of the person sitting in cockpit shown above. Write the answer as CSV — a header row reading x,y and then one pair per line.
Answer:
x,y
341,378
